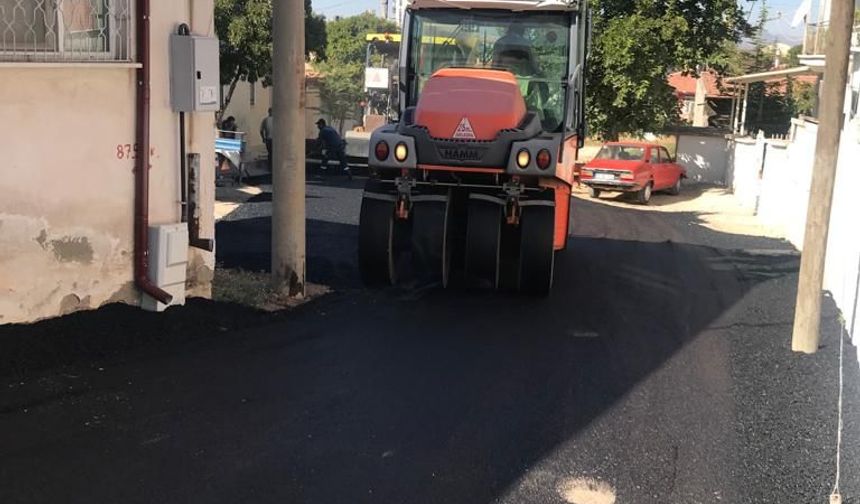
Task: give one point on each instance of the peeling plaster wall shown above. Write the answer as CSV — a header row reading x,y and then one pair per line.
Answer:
x,y
66,177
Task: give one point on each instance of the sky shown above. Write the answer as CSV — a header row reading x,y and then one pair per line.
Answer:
x,y
780,13
778,27
332,8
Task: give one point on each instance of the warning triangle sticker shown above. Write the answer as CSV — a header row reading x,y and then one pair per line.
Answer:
x,y
464,130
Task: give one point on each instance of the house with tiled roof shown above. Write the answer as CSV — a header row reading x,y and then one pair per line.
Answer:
x,y
714,100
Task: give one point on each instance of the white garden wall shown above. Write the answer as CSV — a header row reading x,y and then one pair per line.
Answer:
x,y
704,156
773,176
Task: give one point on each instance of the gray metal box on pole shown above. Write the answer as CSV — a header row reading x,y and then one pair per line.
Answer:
x,y
194,74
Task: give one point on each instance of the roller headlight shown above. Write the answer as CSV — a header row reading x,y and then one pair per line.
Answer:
x,y
401,152
523,158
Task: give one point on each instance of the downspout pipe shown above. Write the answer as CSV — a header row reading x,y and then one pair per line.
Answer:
x,y
141,169
185,31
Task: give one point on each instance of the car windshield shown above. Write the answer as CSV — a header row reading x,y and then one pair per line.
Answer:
x,y
621,152
532,46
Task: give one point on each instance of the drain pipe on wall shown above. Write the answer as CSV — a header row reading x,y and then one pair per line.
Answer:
x,y
141,168
185,31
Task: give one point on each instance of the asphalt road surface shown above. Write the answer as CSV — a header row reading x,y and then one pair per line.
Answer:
x,y
658,371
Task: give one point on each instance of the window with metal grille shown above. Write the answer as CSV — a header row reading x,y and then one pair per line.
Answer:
x,y
66,30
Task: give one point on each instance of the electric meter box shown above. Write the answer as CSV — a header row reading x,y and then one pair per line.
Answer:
x,y
194,74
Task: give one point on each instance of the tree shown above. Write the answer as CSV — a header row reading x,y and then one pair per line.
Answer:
x,y
793,57
342,75
244,28
758,91
341,90
772,104
315,33
628,91
637,44
804,98
346,43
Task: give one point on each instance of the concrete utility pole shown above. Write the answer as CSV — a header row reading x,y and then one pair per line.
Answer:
x,y
700,104
288,139
807,317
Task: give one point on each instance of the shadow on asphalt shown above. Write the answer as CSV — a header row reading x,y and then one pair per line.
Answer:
x,y
415,395
453,395
331,249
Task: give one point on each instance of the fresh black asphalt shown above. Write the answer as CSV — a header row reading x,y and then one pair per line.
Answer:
x,y
659,366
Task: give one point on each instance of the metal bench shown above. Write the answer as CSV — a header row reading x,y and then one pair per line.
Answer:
x,y
228,157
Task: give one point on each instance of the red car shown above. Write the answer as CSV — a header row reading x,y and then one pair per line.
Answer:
x,y
638,168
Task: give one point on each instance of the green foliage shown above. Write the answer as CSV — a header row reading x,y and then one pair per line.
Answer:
x,y
346,43
629,92
771,105
315,32
342,75
737,60
341,90
244,28
637,43
804,98
793,58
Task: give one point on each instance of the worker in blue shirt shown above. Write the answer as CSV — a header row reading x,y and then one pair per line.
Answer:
x,y
333,145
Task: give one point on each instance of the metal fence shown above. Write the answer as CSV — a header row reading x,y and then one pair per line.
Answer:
x,y
815,38
66,30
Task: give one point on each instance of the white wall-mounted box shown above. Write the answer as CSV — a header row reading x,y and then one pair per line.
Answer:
x,y
168,263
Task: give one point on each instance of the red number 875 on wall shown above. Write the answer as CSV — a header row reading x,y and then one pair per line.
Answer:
x,y
129,151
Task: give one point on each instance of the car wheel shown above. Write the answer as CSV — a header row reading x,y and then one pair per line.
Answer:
x,y
594,192
644,194
676,189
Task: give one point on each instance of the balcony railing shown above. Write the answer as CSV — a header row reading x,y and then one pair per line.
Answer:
x,y
815,38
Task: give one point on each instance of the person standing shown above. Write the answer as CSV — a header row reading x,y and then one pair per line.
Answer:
x,y
333,145
266,134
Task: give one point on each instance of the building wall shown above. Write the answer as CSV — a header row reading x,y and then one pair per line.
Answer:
x,y
67,181
250,116
842,273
